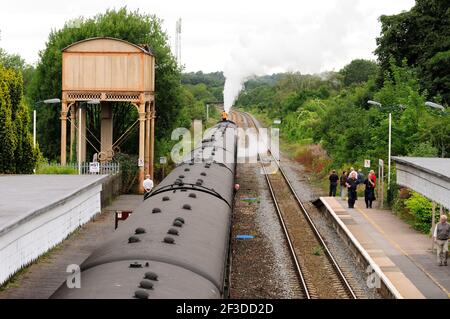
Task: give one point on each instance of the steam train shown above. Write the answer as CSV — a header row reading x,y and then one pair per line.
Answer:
x,y
175,244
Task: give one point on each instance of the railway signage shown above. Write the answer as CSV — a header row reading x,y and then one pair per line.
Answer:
x,y
367,163
94,167
163,160
121,215
277,122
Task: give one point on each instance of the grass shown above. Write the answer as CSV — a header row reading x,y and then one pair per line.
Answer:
x,y
317,251
56,170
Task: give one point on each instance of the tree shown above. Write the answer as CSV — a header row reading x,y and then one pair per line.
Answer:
x,y
421,36
358,71
17,154
7,141
15,61
130,26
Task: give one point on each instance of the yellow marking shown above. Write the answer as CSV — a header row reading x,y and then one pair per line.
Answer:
x,y
402,251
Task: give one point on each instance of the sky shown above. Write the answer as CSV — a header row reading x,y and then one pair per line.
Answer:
x,y
259,36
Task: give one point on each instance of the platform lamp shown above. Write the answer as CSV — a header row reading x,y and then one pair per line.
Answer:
x,y
49,101
435,106
390,140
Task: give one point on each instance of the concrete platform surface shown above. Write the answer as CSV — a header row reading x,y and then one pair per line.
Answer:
x,y
403,254
24,196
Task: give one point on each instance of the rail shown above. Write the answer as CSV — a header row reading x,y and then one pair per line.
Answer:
x,y
304,283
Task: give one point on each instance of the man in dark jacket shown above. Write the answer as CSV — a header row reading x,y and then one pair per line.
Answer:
x,y
352,184
334,178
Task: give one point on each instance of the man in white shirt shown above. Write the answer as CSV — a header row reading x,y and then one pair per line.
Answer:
x,y
148,184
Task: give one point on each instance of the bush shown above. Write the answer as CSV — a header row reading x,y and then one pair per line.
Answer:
x,y
421,208
313,158
129,170
17,154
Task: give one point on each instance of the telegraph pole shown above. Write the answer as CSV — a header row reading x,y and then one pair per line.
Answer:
x,y
178,41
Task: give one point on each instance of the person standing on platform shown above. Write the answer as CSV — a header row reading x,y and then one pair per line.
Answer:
x,y
440,236
224,116
352,184
373,177
342,182
369,192
148,184
334,178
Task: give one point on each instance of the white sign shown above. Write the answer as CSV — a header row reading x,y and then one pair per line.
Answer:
x,y
163,160
94,167
277,122
380,162
367,163
141,163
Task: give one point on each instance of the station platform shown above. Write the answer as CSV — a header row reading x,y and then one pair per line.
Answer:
x,y
38,211
41,279
403,255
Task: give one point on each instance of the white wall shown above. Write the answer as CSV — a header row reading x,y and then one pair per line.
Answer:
x,y
432,187
27,241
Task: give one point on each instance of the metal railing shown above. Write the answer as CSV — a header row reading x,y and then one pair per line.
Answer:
x,y
87,168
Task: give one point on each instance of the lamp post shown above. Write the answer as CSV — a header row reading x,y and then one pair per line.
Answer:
x,y
435,106
389,139
441,209
49,101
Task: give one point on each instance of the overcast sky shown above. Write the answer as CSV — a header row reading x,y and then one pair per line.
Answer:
x,y
318,35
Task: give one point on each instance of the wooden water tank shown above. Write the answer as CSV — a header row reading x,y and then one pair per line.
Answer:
x,y
107,65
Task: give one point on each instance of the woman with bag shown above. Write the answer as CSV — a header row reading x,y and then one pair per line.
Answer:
x,y
369,192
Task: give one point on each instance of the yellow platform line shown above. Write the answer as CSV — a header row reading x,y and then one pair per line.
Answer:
x,y
374,224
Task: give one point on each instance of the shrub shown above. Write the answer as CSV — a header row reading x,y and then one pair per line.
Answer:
x,y
421,208
129,169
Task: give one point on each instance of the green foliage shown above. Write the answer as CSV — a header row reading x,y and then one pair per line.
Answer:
x,y
358,71
213,82
424,149
130,26
17,154
14,61
45,169
200,89
128,169
421,36
421,208
317,110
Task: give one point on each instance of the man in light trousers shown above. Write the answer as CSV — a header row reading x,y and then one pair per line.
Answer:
x,y
440,236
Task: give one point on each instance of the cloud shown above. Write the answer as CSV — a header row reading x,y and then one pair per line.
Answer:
x,y
311,44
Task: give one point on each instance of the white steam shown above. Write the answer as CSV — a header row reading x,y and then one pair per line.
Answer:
x,y
308,44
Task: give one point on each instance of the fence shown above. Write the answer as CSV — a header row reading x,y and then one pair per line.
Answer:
x,y
97,168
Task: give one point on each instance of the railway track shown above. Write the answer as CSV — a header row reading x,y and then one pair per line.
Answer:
x,y
297,290
319,275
